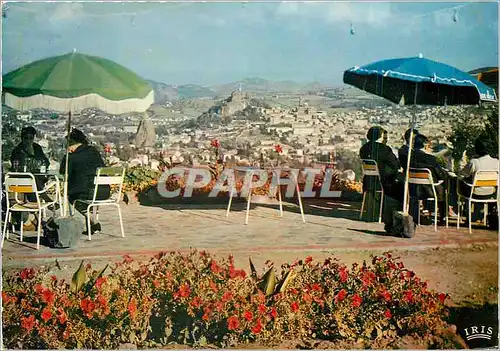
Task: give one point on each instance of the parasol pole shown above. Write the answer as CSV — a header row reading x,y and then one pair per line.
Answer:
x,y
65,202
410,147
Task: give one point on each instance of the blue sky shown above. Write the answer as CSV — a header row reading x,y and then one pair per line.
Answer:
x,y
212,43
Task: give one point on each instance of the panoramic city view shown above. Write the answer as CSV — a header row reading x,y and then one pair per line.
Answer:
x,y
250,175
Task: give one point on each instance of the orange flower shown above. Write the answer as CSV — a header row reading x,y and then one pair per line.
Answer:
x,y
197,302
184,290
233,323
28,323
227,296
156,283
87,307
213,286
214,267
46,314
132,307
48,296
99,282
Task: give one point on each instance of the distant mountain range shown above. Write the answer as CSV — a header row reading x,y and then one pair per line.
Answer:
x,y
165,92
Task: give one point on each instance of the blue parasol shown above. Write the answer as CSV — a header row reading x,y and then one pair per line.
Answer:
x,y
418,81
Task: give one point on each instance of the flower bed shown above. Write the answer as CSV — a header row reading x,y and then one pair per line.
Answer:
x,y
139,180
196,300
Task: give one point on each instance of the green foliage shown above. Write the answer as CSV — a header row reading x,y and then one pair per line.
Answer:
x,y
466,128
139,178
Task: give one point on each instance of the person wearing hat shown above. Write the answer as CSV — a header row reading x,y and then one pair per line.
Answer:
x,y
388,165
84,159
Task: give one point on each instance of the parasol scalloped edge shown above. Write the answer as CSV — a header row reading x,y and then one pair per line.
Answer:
x,y
77,104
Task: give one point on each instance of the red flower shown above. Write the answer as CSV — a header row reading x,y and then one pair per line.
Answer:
x,y
308,259
27,273
107,149
196,302
386,295
401,265
214,267
54,278
307,298
262,308
184,290
46,314
48,296
205,317
442,297
388,314
341,295
215,143
316,287
408,296
409,274
87,307
356,300
294,306
274,313
28,323
127,259
132,307
99,282
343,275
227,296
38,288
213,286
61,316
66,334
156,283
278,149
233,323
257,328
248,315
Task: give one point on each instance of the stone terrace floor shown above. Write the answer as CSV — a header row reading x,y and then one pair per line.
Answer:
x,y
330,225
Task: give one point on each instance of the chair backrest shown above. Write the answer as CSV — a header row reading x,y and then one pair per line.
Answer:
x,y
421,176
485,179
370,168
21,183
112,176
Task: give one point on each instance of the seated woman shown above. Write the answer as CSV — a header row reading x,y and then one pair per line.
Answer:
x,y
421,159
83,161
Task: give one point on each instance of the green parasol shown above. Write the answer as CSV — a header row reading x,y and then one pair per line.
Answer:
x,y
74,82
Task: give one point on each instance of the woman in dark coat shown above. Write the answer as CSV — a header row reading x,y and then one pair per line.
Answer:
x,y
84,159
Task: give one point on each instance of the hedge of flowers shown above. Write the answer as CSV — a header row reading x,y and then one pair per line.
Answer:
x,y
194,299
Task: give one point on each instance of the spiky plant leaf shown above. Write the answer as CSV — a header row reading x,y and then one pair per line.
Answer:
x,y
268,282
252,269
79,278
289,276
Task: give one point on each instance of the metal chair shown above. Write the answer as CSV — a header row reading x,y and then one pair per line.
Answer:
x,y
423,176
112,176
481,179
25,183
370,168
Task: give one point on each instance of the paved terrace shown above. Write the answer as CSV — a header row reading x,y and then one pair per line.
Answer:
x,y
330,225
